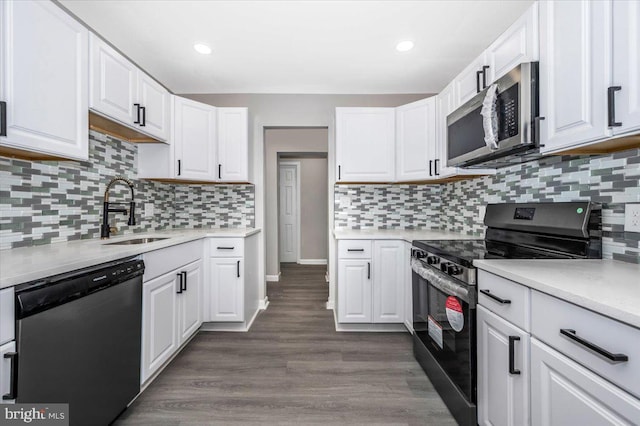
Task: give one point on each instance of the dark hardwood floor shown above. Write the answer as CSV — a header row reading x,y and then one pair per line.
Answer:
x,y
292,368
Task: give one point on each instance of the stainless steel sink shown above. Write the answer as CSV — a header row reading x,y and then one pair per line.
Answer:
x,y
136,241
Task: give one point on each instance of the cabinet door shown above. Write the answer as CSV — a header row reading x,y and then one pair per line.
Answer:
x,y
626,64
5,371
516,45
194,140
575,63
446,104
156,101
190,300
354,291
233,145
388,282
565,393
44,79
159,322
416,140
365,144
468,83
113,82
503,397
227,289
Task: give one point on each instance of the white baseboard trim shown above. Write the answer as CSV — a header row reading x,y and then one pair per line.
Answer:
x,y
326,277
312,261
264,304
374,328
273,278
409,326
331,304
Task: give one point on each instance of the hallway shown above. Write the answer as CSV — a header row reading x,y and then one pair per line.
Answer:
x,y
292,368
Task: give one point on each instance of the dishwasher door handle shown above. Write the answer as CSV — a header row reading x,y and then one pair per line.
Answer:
x,y
13,378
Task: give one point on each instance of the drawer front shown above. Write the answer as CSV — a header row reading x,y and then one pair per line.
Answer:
x,y
7,319
226,247
550,315
506,298
161,261
354,249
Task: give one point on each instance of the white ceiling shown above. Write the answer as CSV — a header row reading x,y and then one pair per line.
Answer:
x,y
300,46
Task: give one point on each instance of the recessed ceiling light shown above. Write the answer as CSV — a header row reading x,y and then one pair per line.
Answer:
x,y
202,48
404,46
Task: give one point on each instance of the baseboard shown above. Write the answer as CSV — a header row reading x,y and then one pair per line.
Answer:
x,y
264,303
373,328
273,278
326,277
312,261
331,304
409,326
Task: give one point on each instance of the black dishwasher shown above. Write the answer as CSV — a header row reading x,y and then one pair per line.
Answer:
x,y
79,340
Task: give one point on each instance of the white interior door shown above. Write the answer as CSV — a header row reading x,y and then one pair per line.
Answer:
x,y
288,214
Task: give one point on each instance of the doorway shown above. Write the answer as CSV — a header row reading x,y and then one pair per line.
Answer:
x,y
289,211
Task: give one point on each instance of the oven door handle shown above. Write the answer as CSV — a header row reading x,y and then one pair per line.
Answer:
x,y
444,283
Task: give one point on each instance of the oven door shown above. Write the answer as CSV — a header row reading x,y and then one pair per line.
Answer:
x,y
444,319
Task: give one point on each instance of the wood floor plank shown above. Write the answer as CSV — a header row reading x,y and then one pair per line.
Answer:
x,y
292,368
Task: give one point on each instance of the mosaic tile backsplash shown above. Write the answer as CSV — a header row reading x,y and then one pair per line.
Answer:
x,y
48,202
613,180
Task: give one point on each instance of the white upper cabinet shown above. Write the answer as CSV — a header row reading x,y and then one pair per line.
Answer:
x,y
155,104
517,45
43,79
470,81
626,65
365,144
194,140
233,145
114,80
416,140
575,70
122,92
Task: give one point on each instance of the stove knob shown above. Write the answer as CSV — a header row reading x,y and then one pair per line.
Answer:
x,y
454,270
444,266
419,254
433,260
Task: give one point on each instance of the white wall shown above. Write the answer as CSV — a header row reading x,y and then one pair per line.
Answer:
x,y
272,110
314,209
275,141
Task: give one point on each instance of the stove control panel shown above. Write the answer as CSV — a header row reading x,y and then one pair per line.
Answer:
x,y
439,263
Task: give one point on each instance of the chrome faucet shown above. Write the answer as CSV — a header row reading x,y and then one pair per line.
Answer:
x,y
105,229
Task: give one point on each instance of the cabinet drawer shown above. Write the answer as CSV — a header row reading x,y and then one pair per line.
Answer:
x,y
161,261
354,249
226,247
550,315
7,319
506,298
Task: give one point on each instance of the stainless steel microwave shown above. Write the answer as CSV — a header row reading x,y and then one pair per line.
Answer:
x,y
500,125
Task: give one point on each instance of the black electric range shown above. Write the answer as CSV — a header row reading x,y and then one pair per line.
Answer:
x,y
444,285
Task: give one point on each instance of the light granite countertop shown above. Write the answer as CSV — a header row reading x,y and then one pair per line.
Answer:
x,y
608,287
25,264
399,234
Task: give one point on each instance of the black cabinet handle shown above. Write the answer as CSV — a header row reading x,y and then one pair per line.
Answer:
x,y
435,167
478,74
571,334
368,270
225,248
13,378
339,172
355,249
430,168
137,106
3,118
611,105
184,274
179,167
144,116
219,171
484,76
512,350
238,269
180,277
496,298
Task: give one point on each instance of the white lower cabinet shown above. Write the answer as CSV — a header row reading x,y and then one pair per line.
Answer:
x,y
190,300
371,289
565,393
227,289
503,371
